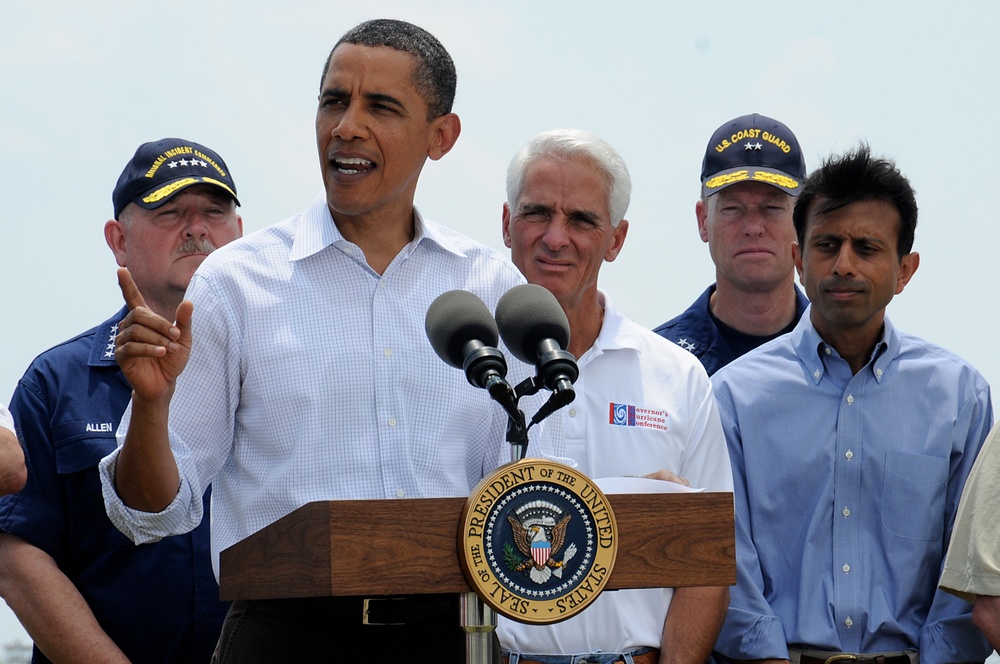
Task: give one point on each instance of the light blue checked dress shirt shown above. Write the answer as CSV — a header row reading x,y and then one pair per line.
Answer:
x,y
846,489
311,378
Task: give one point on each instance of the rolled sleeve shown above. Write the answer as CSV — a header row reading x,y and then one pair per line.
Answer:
x,y
182,515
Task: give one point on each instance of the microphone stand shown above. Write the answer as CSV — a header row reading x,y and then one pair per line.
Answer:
x,y
479,620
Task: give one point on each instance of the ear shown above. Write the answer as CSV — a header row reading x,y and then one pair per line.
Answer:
x,y
114,235
797,257
908,265
701,212
445,131
239,224
506,225
618,241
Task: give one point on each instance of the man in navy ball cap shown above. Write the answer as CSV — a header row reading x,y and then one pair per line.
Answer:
x,y
82,590
160,169
751,174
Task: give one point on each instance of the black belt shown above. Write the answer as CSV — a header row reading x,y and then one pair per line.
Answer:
x,y
402,610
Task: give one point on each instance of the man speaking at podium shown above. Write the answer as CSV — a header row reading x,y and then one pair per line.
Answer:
x,y
567,193
307,373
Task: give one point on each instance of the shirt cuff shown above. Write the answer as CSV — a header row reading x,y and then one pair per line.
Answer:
x,y
748,635
180,516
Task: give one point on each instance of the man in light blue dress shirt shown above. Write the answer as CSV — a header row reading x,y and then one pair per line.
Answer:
x,y
850,442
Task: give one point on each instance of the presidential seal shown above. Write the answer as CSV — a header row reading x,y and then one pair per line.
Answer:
x,y
538,541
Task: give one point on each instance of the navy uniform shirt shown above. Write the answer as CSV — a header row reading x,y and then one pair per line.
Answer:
x,y
697,331
159,602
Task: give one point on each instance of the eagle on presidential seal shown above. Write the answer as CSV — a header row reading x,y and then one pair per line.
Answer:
x,y
539,530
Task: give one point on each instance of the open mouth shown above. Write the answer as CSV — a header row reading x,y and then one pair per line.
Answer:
x,y
352,165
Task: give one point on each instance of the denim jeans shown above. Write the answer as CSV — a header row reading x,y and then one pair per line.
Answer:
x,y
594,658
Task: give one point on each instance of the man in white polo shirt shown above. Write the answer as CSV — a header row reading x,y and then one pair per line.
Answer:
x,y
567,193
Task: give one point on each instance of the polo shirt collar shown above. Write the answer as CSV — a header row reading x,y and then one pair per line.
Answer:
x,y
613,335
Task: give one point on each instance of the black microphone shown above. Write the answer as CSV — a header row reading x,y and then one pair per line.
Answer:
x,y
463,334
536,331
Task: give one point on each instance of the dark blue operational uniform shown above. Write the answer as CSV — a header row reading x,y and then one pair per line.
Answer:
x,y
159,602
712,341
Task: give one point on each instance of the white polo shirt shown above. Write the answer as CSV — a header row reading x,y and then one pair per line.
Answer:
x,y
666,419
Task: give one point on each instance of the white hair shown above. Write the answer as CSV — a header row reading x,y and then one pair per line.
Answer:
x,y
574,144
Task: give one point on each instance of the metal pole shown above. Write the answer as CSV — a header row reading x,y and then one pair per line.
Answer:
x,y
479,623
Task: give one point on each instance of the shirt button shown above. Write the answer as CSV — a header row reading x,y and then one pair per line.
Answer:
x,y
392,421
878,372
817,374
827,350
848,622
846,568
849,454
850,398
387,352
572,412
846,512
400,493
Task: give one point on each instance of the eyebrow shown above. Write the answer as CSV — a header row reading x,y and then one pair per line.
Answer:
x,y
586,215
380,97
527,208
867,239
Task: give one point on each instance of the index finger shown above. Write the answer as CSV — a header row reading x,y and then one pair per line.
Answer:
x,y
133,298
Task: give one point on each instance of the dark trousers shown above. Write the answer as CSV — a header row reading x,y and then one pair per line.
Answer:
x,y
332,629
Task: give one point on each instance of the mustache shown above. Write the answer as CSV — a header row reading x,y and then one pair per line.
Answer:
x,y
839,282
197,245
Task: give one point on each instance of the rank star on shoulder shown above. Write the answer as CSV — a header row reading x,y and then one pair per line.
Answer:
x,y
685,344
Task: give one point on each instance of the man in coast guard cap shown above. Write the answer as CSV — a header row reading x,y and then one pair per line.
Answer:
x,y
751,174
82,590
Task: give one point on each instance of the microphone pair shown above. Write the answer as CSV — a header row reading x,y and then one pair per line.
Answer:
x,y
533,327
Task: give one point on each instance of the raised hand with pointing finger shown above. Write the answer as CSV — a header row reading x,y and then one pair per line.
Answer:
x,y
151,350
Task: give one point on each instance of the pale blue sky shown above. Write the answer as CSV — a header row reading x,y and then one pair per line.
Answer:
x,y
83,84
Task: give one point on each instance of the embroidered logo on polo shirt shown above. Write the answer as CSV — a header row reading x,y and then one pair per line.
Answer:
x,y
627,415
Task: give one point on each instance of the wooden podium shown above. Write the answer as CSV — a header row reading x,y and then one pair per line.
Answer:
x,y
406,547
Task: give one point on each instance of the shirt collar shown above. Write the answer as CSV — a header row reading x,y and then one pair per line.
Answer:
x,y
811,349
102,350
317,231
614,335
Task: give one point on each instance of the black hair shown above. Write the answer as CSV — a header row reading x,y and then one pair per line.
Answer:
x,y
434,77
858,176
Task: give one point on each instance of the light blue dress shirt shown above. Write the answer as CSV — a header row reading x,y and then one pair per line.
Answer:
x,y
846,488
311,378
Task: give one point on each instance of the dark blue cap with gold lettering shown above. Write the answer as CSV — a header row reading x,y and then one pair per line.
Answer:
x,y
160,169
753,148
